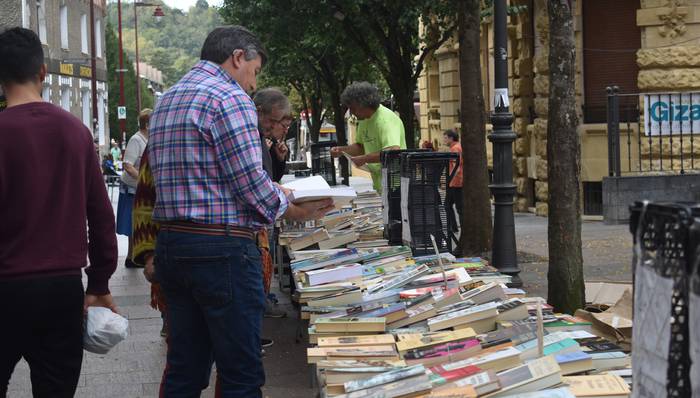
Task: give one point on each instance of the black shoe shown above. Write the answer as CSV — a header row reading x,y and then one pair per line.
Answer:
x,y
266,342
130,264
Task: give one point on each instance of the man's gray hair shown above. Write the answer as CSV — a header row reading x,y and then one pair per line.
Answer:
x,y
361,93
222,42
269,99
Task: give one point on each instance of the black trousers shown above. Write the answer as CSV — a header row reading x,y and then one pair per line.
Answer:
x,y
454,199
42,323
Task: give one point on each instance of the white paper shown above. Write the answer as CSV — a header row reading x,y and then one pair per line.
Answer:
x,y
314,182
651,333
405,225
500,96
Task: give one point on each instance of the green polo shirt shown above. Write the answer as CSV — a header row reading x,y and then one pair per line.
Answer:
x,y
384,129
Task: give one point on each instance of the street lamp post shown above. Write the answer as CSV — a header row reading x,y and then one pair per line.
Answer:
x,y
122,122
93,65
158,14
503,251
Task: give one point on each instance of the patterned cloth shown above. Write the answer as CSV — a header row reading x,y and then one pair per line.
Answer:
x,y
205,154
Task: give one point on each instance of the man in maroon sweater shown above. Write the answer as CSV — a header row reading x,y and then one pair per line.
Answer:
x,y
51,192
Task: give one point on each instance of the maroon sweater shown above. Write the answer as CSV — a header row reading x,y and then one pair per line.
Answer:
x,y
51,192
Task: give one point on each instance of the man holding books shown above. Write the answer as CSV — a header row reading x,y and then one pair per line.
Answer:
x,y
211,196
378,129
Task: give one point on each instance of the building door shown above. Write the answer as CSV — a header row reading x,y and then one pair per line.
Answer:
x,y
611,39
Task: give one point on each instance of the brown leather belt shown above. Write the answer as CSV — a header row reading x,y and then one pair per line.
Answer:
x,y
208,229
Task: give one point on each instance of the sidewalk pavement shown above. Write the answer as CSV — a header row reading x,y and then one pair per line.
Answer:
x,y
134,367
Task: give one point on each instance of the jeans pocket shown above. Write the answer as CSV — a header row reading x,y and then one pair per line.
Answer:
x,y
209,277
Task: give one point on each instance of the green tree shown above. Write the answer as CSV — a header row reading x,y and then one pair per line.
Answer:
x,y
131,125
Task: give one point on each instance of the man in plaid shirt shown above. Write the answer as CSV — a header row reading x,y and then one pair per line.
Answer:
x,y
211,196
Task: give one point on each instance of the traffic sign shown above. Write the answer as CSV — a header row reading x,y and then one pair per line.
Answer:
x,y
121,112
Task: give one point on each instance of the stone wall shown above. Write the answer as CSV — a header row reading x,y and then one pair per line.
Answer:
x,y
620,192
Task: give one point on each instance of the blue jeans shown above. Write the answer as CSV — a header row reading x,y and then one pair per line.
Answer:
x,y
214,293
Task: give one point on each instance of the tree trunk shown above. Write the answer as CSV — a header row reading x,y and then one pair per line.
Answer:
x,y
565,275
476,225
316,119
341,134
404,104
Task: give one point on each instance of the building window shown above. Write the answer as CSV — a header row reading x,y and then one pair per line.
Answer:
x,y
64,27
101,117
610,40
26,13
41,14
84,34
98,38
85,105
65,98
46,93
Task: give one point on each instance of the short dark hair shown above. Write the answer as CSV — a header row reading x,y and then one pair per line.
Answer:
x,y
21,55
452,134
361,93
222,42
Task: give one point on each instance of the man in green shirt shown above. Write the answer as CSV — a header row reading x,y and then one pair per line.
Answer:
x,y
378,129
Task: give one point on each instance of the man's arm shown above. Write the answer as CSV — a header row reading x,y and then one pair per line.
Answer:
x,y
355,149
130,158
102,240
131,170
373,157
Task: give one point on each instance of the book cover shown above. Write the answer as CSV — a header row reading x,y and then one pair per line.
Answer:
x,y
350,325
440,376
424,340
385,378
350,341
597,385
538,374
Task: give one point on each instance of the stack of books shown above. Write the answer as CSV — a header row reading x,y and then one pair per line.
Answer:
x,y
384,323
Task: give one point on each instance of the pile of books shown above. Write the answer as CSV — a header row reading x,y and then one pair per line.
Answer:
x,y
383,323
356,224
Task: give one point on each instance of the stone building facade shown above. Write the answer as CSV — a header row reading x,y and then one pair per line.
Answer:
x,y
64,29
642,46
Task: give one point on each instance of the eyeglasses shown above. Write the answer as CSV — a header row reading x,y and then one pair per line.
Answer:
x,y
284,122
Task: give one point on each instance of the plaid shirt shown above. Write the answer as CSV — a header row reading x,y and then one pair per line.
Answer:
x,y
205,154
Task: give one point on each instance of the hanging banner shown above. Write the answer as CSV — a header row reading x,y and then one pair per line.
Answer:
x,y
671,113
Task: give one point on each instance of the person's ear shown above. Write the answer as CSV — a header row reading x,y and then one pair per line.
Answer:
x,y
42,73
237,58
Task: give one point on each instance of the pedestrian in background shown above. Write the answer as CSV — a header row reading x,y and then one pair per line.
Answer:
x,y
454,191
115,151
212,195
127,189
51,194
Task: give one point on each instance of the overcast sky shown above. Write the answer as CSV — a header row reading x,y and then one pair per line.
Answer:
x,y
186,4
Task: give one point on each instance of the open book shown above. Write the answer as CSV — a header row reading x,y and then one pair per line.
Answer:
x,y
316,188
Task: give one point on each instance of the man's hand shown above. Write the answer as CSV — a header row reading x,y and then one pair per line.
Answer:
x,y
359,160
336,151
312,210
286,191
149,270
106,301
268,142
281,151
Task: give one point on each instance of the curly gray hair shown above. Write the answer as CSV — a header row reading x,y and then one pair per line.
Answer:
x,y
361,93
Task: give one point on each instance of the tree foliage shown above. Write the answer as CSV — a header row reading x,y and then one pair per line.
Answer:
x,y
172,45
112,49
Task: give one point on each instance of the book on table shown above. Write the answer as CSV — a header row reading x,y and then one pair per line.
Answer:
x,y
483,383
385,378
308,239
496,360
426,340
475,313
335,274
485,293
350,325
380,352
532,376
574,362
316,188
410,387
512,309
443,353
353,341
338,239
599,386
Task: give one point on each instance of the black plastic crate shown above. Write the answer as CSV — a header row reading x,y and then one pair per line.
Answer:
x,y
425,178
391,192
668,237
322,162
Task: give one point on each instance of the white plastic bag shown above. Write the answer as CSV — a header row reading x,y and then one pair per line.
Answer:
x,y
103,330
